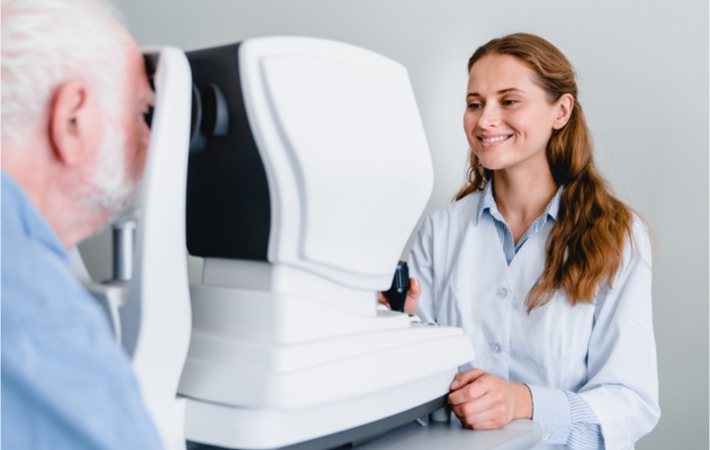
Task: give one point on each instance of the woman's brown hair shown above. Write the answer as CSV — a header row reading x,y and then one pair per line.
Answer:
x,y
585,247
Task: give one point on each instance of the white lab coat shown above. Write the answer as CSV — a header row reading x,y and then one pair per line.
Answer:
x,y
604,351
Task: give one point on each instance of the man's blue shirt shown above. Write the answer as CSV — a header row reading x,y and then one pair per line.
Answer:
x,y
66,384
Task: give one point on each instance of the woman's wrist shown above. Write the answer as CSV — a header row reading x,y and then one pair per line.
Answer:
x,y
523,403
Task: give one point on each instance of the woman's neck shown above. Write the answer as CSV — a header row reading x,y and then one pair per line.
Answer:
x,y
522,196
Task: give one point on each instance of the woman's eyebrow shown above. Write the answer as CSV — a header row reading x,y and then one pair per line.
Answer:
x,y
508,90
502,91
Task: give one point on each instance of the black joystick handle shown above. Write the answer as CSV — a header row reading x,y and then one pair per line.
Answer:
x,y
397,294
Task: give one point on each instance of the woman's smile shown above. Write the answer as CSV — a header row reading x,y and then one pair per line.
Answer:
x,y
489,142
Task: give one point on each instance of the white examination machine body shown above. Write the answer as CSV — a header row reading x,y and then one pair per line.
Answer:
x,y
291,348
308,171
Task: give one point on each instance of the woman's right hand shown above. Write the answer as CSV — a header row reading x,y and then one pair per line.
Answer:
x,y
410,305
482,401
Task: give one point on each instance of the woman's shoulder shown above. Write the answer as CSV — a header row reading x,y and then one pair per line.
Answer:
x,y
450,222
641,242
459,211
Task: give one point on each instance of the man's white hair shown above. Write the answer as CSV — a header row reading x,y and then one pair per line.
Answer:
x,y
46,43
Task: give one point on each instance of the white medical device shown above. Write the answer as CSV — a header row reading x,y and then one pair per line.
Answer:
x,y
304,185
308,171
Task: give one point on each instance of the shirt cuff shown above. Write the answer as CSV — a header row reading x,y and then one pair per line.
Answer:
x,y
551,411
586,432
579,409
565,418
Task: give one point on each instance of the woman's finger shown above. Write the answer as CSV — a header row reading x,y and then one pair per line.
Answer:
x,y
463,378
415,290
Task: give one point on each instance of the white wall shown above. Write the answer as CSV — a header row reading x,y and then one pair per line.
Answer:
x,y
643,76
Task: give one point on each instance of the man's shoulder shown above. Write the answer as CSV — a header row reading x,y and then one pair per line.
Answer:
x,y
64,376
38,288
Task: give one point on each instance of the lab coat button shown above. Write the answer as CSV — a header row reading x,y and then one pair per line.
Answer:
x,y
502,292
495,348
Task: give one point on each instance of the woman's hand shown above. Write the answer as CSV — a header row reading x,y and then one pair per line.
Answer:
x,y
483,401
410,304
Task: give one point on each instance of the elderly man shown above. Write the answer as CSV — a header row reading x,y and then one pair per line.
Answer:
x,y
74,140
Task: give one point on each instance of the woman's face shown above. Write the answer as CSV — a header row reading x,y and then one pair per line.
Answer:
x,y
509,118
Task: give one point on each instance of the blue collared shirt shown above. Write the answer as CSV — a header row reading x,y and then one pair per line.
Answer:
x,y
551,409
66,384
488,205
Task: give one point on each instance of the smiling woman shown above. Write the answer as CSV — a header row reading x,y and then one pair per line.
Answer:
x,y
544,154
546,271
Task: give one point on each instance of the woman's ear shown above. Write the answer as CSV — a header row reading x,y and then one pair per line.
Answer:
x,y
565,105
73,123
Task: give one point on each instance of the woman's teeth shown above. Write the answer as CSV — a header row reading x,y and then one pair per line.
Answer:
x,y
494,139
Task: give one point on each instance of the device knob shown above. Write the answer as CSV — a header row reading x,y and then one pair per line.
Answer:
x,y
397,294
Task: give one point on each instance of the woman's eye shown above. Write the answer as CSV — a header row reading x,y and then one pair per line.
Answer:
x,y
474,106
509,102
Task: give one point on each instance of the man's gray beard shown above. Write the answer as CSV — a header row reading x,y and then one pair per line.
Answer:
x,y
112,191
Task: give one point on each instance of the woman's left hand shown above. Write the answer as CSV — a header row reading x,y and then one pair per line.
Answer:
x,y
483,401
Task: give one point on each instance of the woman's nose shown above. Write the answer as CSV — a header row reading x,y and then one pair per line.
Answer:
x,y
490,116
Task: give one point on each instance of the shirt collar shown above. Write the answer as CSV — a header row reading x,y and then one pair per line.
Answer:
x,y
21,215
487,203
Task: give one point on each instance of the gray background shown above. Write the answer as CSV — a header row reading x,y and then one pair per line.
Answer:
x,y
643,77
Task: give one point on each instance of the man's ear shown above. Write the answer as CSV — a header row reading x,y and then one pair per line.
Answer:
x,y
565,104
73,122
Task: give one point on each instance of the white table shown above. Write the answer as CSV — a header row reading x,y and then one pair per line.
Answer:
x,y
517,435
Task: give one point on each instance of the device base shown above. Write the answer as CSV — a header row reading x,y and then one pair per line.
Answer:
x,y
268,428
354,436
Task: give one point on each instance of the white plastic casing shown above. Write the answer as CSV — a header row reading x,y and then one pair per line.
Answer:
x,y
292,349
345,153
